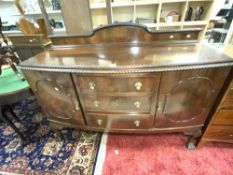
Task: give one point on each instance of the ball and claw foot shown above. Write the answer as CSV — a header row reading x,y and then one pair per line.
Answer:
x,y
58,135
24,141
191,146
191,143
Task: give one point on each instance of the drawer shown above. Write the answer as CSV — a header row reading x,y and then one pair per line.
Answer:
x,y
118,104
220,132
224,117
178,36
123,121
228,100
116,84
27,39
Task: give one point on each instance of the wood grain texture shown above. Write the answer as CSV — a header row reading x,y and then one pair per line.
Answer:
x,y
118,58
220,127
132,49
56,96
224,117
124,121
220,133
117,85
186,97
101,103
228,100
126,86
125,33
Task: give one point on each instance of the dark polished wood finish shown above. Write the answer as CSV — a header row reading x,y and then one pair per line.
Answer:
x,y
220,128
56,95
186,97
127,58
125,86
127,33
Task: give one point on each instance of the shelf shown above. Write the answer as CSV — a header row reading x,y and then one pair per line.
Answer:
x,y
207,5
7,1
39,13
150,25
177,24
99,16
150,13
54,12
11,32
146,11
170,24
172,1
146,2
122,4
132,3
123,14
193,23
99,5
166,8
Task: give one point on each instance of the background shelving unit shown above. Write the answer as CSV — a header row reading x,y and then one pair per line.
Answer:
x,y
151,13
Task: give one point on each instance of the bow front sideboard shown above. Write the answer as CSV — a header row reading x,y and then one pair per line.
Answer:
x,y
124,78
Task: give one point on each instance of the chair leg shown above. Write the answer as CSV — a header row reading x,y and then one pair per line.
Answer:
x,y
13,113
6,119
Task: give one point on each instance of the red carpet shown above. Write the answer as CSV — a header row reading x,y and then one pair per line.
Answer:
x,y
165,154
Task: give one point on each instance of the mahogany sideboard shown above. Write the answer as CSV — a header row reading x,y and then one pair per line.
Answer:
x,y
124,78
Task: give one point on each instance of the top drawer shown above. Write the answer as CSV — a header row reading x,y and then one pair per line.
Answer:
x,y
228,100
116,84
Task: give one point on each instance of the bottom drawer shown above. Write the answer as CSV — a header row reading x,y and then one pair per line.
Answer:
x,y
123,121
220,133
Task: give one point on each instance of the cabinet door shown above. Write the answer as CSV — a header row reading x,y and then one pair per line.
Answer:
x,y
186,97
56,95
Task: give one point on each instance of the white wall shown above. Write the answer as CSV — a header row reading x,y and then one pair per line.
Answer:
x,y
7,8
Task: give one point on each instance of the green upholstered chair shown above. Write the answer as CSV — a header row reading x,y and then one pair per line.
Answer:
x,y
12,90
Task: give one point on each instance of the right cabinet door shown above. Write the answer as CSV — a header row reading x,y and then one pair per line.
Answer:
x,y
186,97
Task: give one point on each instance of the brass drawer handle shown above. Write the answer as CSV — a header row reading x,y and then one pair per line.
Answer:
x,y
230,135
137,104
159,106
99,122
138,85
137,123
92,86
33,40
56,89
77,106
171,36
96,103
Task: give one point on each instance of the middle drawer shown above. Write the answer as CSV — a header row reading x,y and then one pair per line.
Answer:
x,y
118,104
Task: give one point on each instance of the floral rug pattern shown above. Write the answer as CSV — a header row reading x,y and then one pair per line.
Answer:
x,y
46,153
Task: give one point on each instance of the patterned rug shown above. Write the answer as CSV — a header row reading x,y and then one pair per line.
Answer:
x,y
46,153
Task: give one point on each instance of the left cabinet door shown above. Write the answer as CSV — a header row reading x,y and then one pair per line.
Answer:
x,y
56,95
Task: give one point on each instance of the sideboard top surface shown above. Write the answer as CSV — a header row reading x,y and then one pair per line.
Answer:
x,y
127,48
127,57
